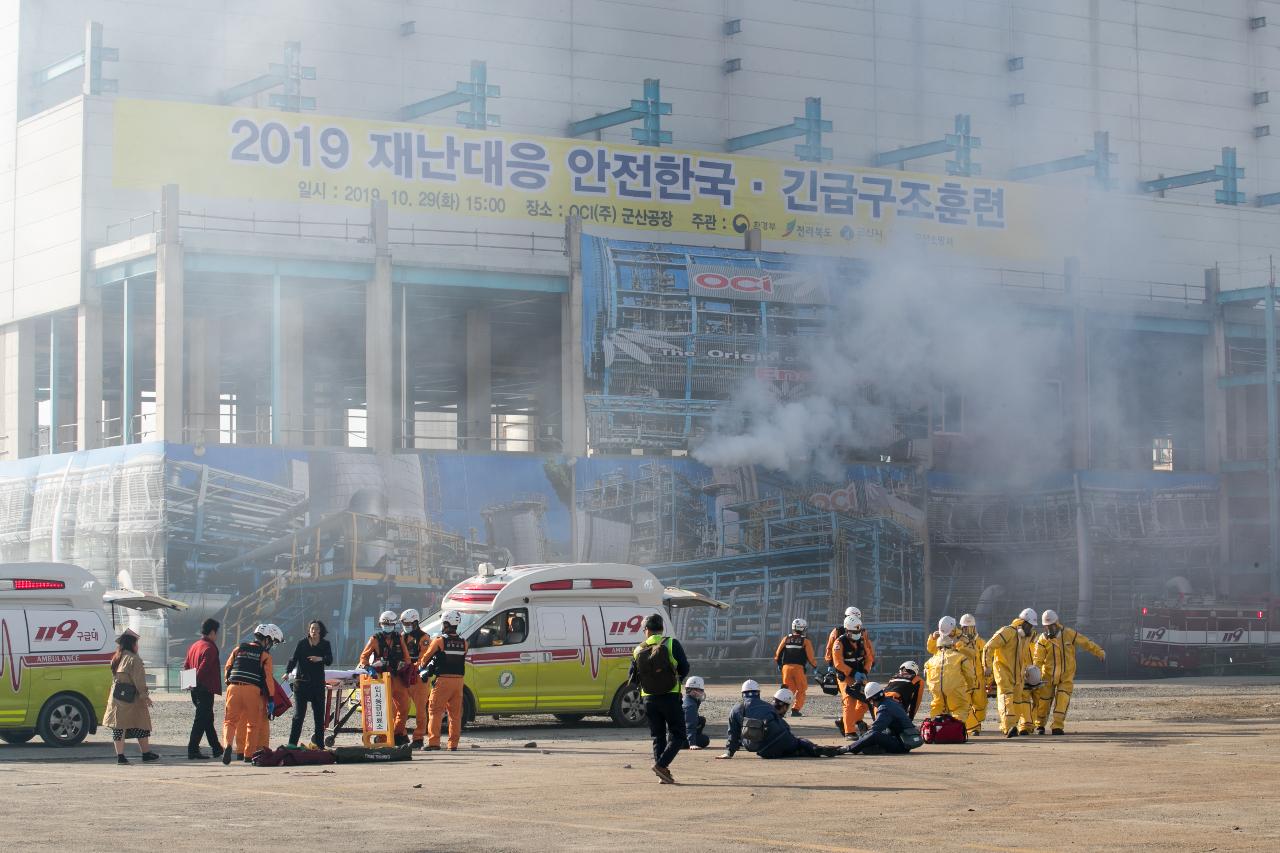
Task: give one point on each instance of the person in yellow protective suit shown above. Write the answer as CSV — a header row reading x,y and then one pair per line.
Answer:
x,y
1055,654
449,651
793,654
1007,655
853,658
946,628
386,652
951,677
969,639
250,685
415,642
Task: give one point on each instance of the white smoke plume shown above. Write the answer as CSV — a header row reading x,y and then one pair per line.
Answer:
x,y
903,338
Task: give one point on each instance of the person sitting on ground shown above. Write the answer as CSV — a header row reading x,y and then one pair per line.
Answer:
x,y
694,725
885,734
758,726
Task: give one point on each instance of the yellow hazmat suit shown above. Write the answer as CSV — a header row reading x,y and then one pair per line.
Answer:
x,y
1007,654
951,677
969,640
1056,657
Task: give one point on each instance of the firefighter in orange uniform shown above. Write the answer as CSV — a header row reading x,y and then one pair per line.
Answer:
x,y
386,652
448,652
794,653
250,686
853,658
415,641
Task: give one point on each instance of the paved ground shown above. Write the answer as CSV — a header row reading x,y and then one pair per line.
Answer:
x,y
1188,764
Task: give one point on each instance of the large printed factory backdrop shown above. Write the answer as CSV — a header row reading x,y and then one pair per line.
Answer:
x,y
253,534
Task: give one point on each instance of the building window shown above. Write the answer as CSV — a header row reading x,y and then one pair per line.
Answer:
x,y
512,432
357,428
948,413
227,418
1162,453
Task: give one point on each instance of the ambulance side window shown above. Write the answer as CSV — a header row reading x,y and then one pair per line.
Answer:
x,y
508,628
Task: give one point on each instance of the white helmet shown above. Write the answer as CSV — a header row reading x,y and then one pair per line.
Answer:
x,y
968,621
1028,616
1032,675
1049,617
911,665
852,623
784,695
946,625
388,617
694,682
798,624
275,633
451,617
411,615
853,611
263,630
872,689
750,686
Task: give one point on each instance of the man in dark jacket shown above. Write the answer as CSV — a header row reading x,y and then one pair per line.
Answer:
x,y
885,734
660,672
203,657
776,740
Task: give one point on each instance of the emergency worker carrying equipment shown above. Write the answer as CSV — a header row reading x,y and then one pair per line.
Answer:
x,y
656,666
951,679
853,659
1007,655
1055,653
245,727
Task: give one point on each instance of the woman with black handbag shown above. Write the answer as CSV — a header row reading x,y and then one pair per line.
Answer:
x,y
128,707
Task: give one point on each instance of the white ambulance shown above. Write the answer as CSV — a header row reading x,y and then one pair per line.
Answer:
x,y
557,638
56,643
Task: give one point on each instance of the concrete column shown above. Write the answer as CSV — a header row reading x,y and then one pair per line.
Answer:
x,y
573,412
479,399
169,322
379,387
1078,387
292,323
19,391
1215,365
203,380
88,372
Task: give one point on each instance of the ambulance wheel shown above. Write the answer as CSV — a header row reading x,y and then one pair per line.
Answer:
x,y
628,706
17,736
64,720
468,708
570,719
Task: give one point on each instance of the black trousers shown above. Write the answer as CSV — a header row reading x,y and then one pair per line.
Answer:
x,y
301,700
666,726
203,727
879,743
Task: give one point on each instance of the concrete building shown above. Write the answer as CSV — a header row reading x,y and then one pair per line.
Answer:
x,y
192,250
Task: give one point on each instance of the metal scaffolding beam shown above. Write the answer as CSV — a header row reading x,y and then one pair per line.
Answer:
x,y
1226,173
961,142
811,126
648,109
288,75
1099,159
475,93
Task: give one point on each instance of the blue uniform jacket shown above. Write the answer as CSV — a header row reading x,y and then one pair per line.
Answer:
x,y
778,739
690,706
890,717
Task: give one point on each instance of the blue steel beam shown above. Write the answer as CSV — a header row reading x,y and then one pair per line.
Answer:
x,y
961,142
1226,173
1266,199
811,126
1099,159
287,75
96,54
474,93
1244,294
649,109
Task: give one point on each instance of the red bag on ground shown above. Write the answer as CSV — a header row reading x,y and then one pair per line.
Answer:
x,y
283,698
943,729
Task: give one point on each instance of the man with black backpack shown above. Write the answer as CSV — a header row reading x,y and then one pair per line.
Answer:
x,y
659,666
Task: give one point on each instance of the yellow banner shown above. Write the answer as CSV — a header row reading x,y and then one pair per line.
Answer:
x,y
233,152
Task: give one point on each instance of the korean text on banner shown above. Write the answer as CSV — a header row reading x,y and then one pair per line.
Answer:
x,y
421,171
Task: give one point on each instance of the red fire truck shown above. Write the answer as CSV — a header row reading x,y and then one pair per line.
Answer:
x,y
1205,638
